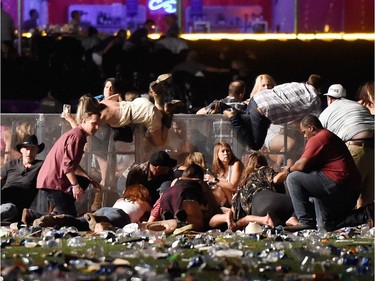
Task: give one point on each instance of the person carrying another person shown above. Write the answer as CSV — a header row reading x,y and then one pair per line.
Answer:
x,y
354,124
282,104
61,179
260,198
236,92
18,180
327,174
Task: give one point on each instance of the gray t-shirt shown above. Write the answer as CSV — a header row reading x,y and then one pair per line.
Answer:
x,y
346,118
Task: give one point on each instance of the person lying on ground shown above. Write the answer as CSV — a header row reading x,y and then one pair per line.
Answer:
x,y
132,207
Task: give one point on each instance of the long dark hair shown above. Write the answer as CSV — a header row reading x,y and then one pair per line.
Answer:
x,y
255,161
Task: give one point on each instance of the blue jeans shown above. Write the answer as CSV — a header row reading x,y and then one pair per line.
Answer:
x,y
117,217
332,203
251,126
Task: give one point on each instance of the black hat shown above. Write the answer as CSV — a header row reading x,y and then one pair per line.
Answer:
x,y
30,141
162,158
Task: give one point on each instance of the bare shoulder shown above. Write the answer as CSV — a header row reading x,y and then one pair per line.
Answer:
x,y
238,164
109,102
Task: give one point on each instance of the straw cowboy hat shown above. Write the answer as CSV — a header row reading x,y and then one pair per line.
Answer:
x,y
166,226
30,141
253,228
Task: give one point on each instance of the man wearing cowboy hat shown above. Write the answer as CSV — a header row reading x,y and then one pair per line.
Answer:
x,y
18,179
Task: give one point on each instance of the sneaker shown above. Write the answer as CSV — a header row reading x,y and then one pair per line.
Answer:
x,y
299,227
27,217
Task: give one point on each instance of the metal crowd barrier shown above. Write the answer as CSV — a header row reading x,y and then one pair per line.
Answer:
x,y
106,160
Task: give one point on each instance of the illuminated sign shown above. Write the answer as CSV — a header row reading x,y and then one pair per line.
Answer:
x,y
168,6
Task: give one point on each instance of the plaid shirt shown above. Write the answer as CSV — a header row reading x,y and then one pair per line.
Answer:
x,y
288,102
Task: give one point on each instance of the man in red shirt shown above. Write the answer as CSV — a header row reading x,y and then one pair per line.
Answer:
x,y
61,180
325,172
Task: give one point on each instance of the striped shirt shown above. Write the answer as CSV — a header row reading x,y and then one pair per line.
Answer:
x,y
288,102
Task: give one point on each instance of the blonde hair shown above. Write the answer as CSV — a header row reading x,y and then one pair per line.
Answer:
x,y
255,161
24,129
258,83
195,158
87,106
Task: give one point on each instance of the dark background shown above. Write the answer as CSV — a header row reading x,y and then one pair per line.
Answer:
x,y
58,66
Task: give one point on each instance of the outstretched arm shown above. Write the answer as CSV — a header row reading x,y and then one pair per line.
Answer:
x,y
68,117
244,131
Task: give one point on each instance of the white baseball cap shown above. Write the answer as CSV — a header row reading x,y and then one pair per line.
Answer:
x,y
336,91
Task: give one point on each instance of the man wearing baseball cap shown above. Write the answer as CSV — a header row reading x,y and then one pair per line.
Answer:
x,y
354,124
18,180
152,173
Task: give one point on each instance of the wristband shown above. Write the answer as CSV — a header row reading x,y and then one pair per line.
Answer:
x,y
288,170
216,180
75,184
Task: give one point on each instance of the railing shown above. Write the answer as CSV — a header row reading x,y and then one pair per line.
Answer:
x,y
105,160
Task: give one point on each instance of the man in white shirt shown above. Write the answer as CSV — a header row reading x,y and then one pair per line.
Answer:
x,y
354,124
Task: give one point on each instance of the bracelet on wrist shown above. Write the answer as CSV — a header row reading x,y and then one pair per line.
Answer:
x,y
75,184
216,180
288,170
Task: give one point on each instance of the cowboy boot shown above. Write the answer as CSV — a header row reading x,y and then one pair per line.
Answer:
x,y
92,220
98,199
166,120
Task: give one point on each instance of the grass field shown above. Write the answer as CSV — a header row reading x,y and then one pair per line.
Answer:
x,y
308,255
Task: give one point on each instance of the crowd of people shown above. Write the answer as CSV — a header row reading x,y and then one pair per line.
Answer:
x,y
327,183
